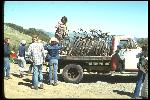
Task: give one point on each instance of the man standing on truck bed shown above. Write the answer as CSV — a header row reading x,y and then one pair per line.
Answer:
x,y
61,29
53,56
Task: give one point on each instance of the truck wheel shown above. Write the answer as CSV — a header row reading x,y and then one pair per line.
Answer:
x,y
72,73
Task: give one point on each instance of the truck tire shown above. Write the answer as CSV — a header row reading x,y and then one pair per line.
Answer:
x,y
72,73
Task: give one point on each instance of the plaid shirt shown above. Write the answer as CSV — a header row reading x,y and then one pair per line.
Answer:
x,y
36,51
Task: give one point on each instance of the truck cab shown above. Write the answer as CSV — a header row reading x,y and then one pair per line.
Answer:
x,y
132,51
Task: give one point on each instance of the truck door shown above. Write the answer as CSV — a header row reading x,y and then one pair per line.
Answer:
x,y
131,54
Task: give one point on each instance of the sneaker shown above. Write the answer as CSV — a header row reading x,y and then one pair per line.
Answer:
x,y
20,76
55,84
121,72
144,97
6,78
50,83
9,77
34,87
137,98
41,86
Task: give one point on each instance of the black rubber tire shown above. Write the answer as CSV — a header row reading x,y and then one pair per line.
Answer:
x,y
72,73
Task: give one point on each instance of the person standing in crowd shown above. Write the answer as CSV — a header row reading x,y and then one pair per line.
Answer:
x,y
6,59
144,68
31,63
141,74
21,57
53,56
61,29
121,57
36,51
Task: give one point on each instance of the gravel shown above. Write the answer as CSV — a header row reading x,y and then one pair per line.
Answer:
x,y
91,86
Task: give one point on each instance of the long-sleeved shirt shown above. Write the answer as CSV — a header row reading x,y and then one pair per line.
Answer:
x,y
6,50
36,51
121,53
53,51
142,62
21,51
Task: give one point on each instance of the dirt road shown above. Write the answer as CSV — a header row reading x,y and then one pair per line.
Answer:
x,y
91,86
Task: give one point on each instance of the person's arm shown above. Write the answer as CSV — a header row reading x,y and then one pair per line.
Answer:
x,y
45,47
43,54
59,46
57,25
29,50
142,62
6,50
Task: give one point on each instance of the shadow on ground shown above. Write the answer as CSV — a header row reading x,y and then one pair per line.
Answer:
x,y
90,78
87,78
124,93
26,84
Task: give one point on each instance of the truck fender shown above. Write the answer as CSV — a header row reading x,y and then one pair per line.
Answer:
x,y
114,63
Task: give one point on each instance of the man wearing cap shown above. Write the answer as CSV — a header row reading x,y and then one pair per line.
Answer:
x,y
21,57
53,56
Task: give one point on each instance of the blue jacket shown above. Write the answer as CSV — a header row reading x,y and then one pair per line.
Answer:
x,y
6,50
22,51
53,51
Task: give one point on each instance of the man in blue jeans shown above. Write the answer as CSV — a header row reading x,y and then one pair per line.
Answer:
x,y
141,74
6,59
36,51
53,56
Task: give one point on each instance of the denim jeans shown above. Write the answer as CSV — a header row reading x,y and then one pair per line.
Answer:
x,y
6,67
144,91
37,75
22,64
121,65
53,66
140,76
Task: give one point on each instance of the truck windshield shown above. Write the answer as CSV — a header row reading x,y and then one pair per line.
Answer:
x,y
123,43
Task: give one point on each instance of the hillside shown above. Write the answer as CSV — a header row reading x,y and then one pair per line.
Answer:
x,y
15,36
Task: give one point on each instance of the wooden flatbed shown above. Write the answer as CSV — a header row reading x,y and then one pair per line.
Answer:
x,y
66,57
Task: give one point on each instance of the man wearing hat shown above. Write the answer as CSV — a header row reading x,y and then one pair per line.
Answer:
x,y
53,55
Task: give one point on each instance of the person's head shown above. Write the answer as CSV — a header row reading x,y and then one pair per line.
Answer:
x,y
145,50
53,40
7,40
35,38
64,19
39,41
23,42
119,47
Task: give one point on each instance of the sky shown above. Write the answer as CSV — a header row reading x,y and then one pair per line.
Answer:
x,y
116,17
